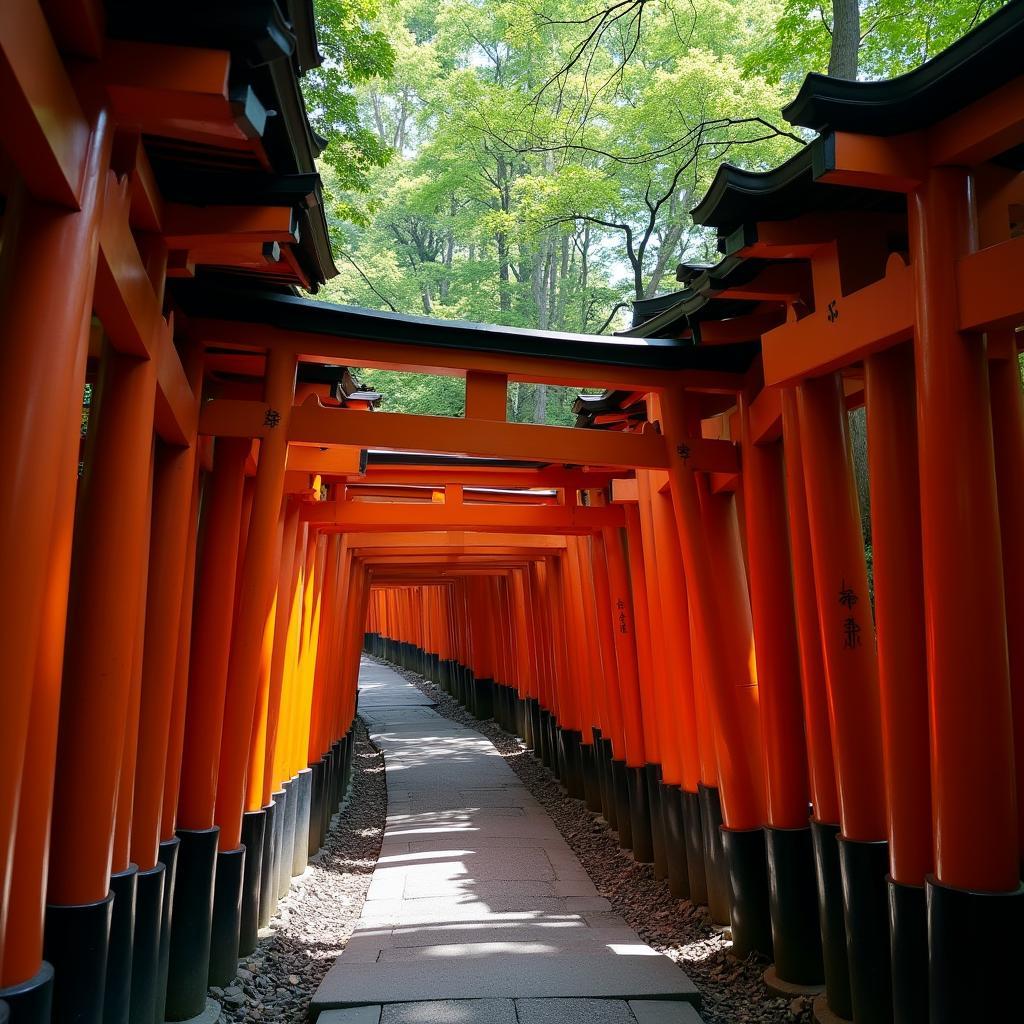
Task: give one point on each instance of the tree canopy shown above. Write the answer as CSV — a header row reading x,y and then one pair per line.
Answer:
x,y
533,162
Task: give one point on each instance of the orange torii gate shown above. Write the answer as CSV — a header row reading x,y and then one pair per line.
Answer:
x,y
671,604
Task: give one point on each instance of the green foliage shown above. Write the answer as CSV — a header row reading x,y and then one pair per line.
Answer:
x,y
353,52
533,162
896,36
420,393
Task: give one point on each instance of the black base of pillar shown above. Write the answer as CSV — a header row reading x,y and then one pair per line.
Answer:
x,y
303,799
499,697
341,770
168,856
865,868
534,711
974,939
546,750
335,778
610,807
908,939
117,996
603,753
327,762
268,869
284,853
149,913
694,839
522,718
620,784
350,753
557,757
796,928
716,870
640,815
75,943
227,916
316,808
749,916
833,926
675,840
338,779
280,799
590,759
191,922
570,763
483,699
254,825
31,1002
652,773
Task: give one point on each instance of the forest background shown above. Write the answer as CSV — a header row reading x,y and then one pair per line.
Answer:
x,y
533,162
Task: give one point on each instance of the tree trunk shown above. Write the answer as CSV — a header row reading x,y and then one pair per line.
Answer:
x,y
540,404
504,300
842,62
859,443
666,251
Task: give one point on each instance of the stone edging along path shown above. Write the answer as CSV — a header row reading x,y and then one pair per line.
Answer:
x,y
315,920
732,992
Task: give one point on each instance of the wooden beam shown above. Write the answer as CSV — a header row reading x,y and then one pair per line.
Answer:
x,y
130,159
78,26
43,129
386,544
889,163
709,454
739,328
178,92
390,516
132,319
989,286
312,423
766,416
191,227
477,476
454,361
842,330
982,130
329,462
486,395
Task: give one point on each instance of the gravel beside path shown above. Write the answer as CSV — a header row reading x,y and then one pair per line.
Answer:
x,y
732,991
314,921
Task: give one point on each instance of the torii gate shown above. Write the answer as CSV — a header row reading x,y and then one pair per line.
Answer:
x,y
670,602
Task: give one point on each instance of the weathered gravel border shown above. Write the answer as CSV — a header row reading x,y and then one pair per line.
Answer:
x,y
732,991
314,921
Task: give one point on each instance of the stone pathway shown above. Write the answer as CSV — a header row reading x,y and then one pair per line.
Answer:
x,y
478,911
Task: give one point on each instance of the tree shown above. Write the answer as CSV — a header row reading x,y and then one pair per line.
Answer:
x,y
353,52
867,39
533,162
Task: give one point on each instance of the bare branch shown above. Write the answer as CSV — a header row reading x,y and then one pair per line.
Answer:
x,y
611,316
369,284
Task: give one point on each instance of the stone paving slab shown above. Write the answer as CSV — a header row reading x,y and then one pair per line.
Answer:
x,y
478,911
660,1011
574,1011
518,1011
451,1011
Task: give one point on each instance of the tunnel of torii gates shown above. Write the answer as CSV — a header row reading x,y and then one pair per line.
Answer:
x,y
668,602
